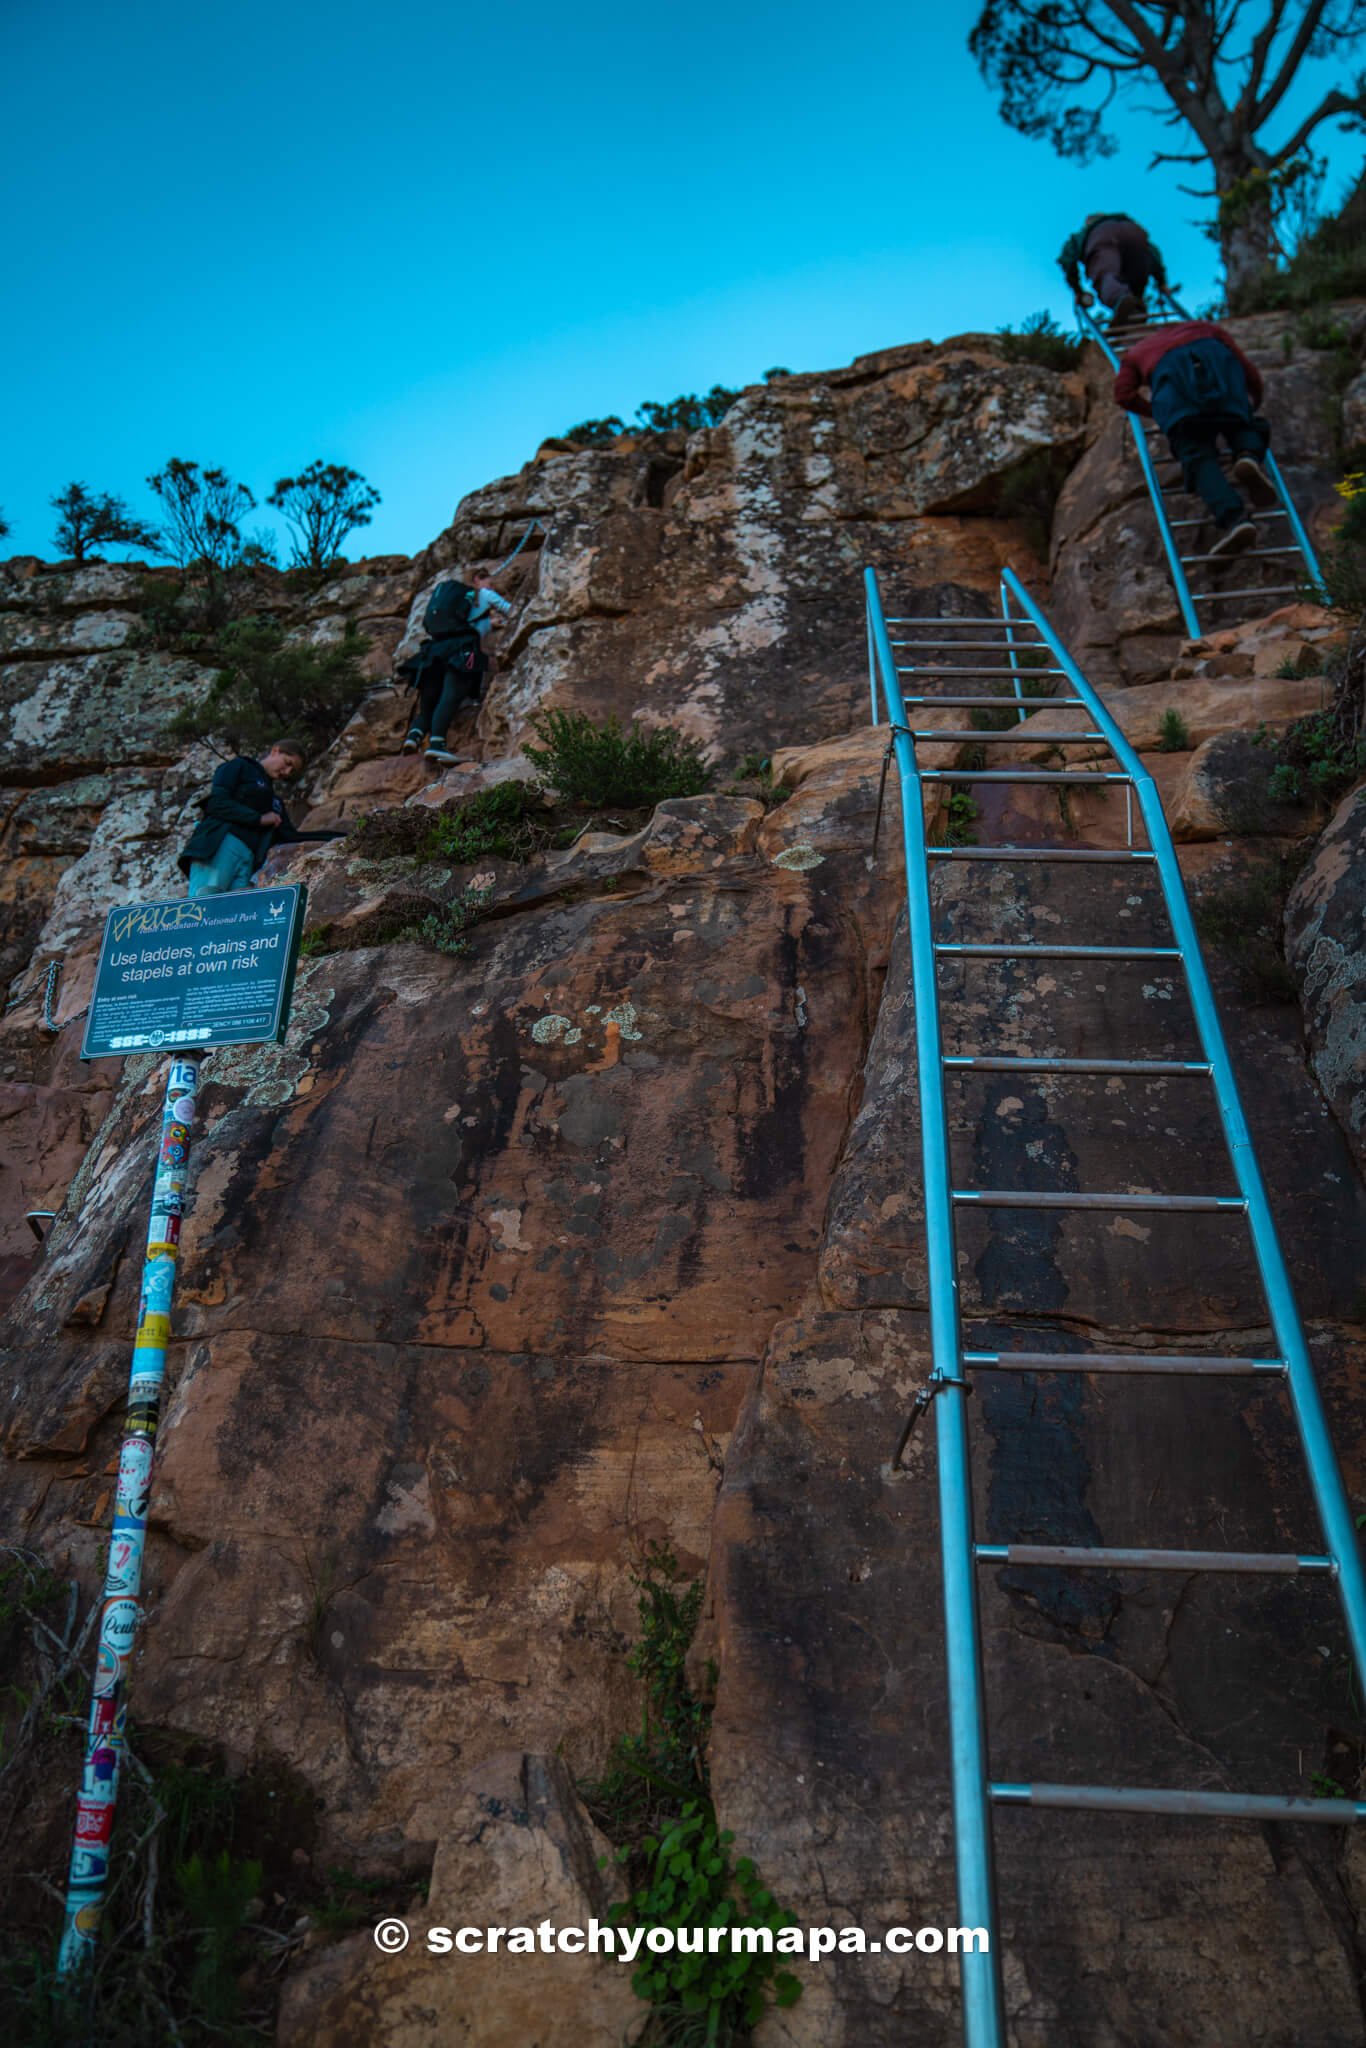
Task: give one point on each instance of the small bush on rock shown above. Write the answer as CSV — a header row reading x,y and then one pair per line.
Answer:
x,y
1173,734
269,684
507,822
587,763
1039,340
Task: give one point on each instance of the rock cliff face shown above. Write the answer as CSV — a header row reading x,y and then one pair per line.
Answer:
x,y
505,1267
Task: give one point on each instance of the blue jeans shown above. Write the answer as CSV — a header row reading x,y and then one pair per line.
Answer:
x,y
229,869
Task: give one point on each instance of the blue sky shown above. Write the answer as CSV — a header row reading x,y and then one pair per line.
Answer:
x,y
418,239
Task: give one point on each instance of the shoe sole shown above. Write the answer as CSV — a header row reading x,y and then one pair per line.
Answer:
x,y
1237,542
1255,481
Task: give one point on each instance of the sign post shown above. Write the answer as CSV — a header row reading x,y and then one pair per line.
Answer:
x,y
214,970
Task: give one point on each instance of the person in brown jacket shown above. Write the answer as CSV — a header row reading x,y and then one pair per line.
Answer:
x,y
1204,389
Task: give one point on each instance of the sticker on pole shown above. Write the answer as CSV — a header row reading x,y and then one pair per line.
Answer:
x,y
207,971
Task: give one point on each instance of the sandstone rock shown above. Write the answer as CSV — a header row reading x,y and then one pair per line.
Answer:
x,y
1229,788
1325,924
520,1851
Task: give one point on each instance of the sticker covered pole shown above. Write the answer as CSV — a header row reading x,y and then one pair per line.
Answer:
x,y
89,1872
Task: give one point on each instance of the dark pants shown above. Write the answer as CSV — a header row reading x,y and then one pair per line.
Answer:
x,y
1118,260
1195,444
445,686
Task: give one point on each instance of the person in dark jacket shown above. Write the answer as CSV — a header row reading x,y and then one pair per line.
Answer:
x,y
1119,260
1204,389
243,819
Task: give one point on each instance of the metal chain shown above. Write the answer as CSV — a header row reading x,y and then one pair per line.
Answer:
x,y
54,968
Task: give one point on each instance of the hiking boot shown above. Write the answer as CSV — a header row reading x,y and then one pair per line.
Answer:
x,y
1239,536
414,739
1128,309
438,751
1248,472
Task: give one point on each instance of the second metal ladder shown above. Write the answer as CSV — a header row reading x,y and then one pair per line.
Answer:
x,y
1287,543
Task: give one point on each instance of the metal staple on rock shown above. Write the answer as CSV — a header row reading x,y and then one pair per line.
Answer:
x,y
920,1406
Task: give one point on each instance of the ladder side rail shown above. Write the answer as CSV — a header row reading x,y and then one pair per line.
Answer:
x,y
1330,1495
1298,529
983,2004
1190,618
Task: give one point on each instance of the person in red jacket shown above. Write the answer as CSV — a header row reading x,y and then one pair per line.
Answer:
x,y
1204,389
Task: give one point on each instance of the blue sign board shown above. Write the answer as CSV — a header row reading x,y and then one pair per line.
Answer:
x,y
196,972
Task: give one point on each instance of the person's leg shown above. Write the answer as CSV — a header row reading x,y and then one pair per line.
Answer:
x,y
1248,439
1135,262
229,869
1103,266
455,691
1195,445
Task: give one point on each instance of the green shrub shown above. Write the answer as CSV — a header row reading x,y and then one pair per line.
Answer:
x,y
1330,263
1343,569
1039,340
506,822
653,1801
407,917
1173,734
596,433
268,685
692,1883
962,811
1299,667
755,778
683,415
584,762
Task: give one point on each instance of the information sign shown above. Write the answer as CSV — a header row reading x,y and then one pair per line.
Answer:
x,y
200,971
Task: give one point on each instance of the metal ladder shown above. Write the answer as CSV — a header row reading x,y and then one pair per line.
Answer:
x,y
1151,445
929,657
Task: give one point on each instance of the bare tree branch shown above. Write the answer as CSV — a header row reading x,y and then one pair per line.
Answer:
x,y
1256,63
1332,103
1290,63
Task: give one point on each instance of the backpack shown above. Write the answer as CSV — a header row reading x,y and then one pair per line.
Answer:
x,y
447,616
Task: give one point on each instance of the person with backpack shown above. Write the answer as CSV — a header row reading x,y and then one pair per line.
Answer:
x,y
1119,260
449,670
243,819
1204,390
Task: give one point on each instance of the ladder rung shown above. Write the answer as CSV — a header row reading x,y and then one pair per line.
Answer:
x,y
977,625
1245,590
1023,775
1003,701
948,668
1158,1799
1000,1063
1283,1562
1124,1361
1032,853
1007,734
1246,555
1000,952
1258,512
1067,1198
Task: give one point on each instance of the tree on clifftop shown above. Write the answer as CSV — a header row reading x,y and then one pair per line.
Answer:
x,y
1225,67
204,511
92,519
321,505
